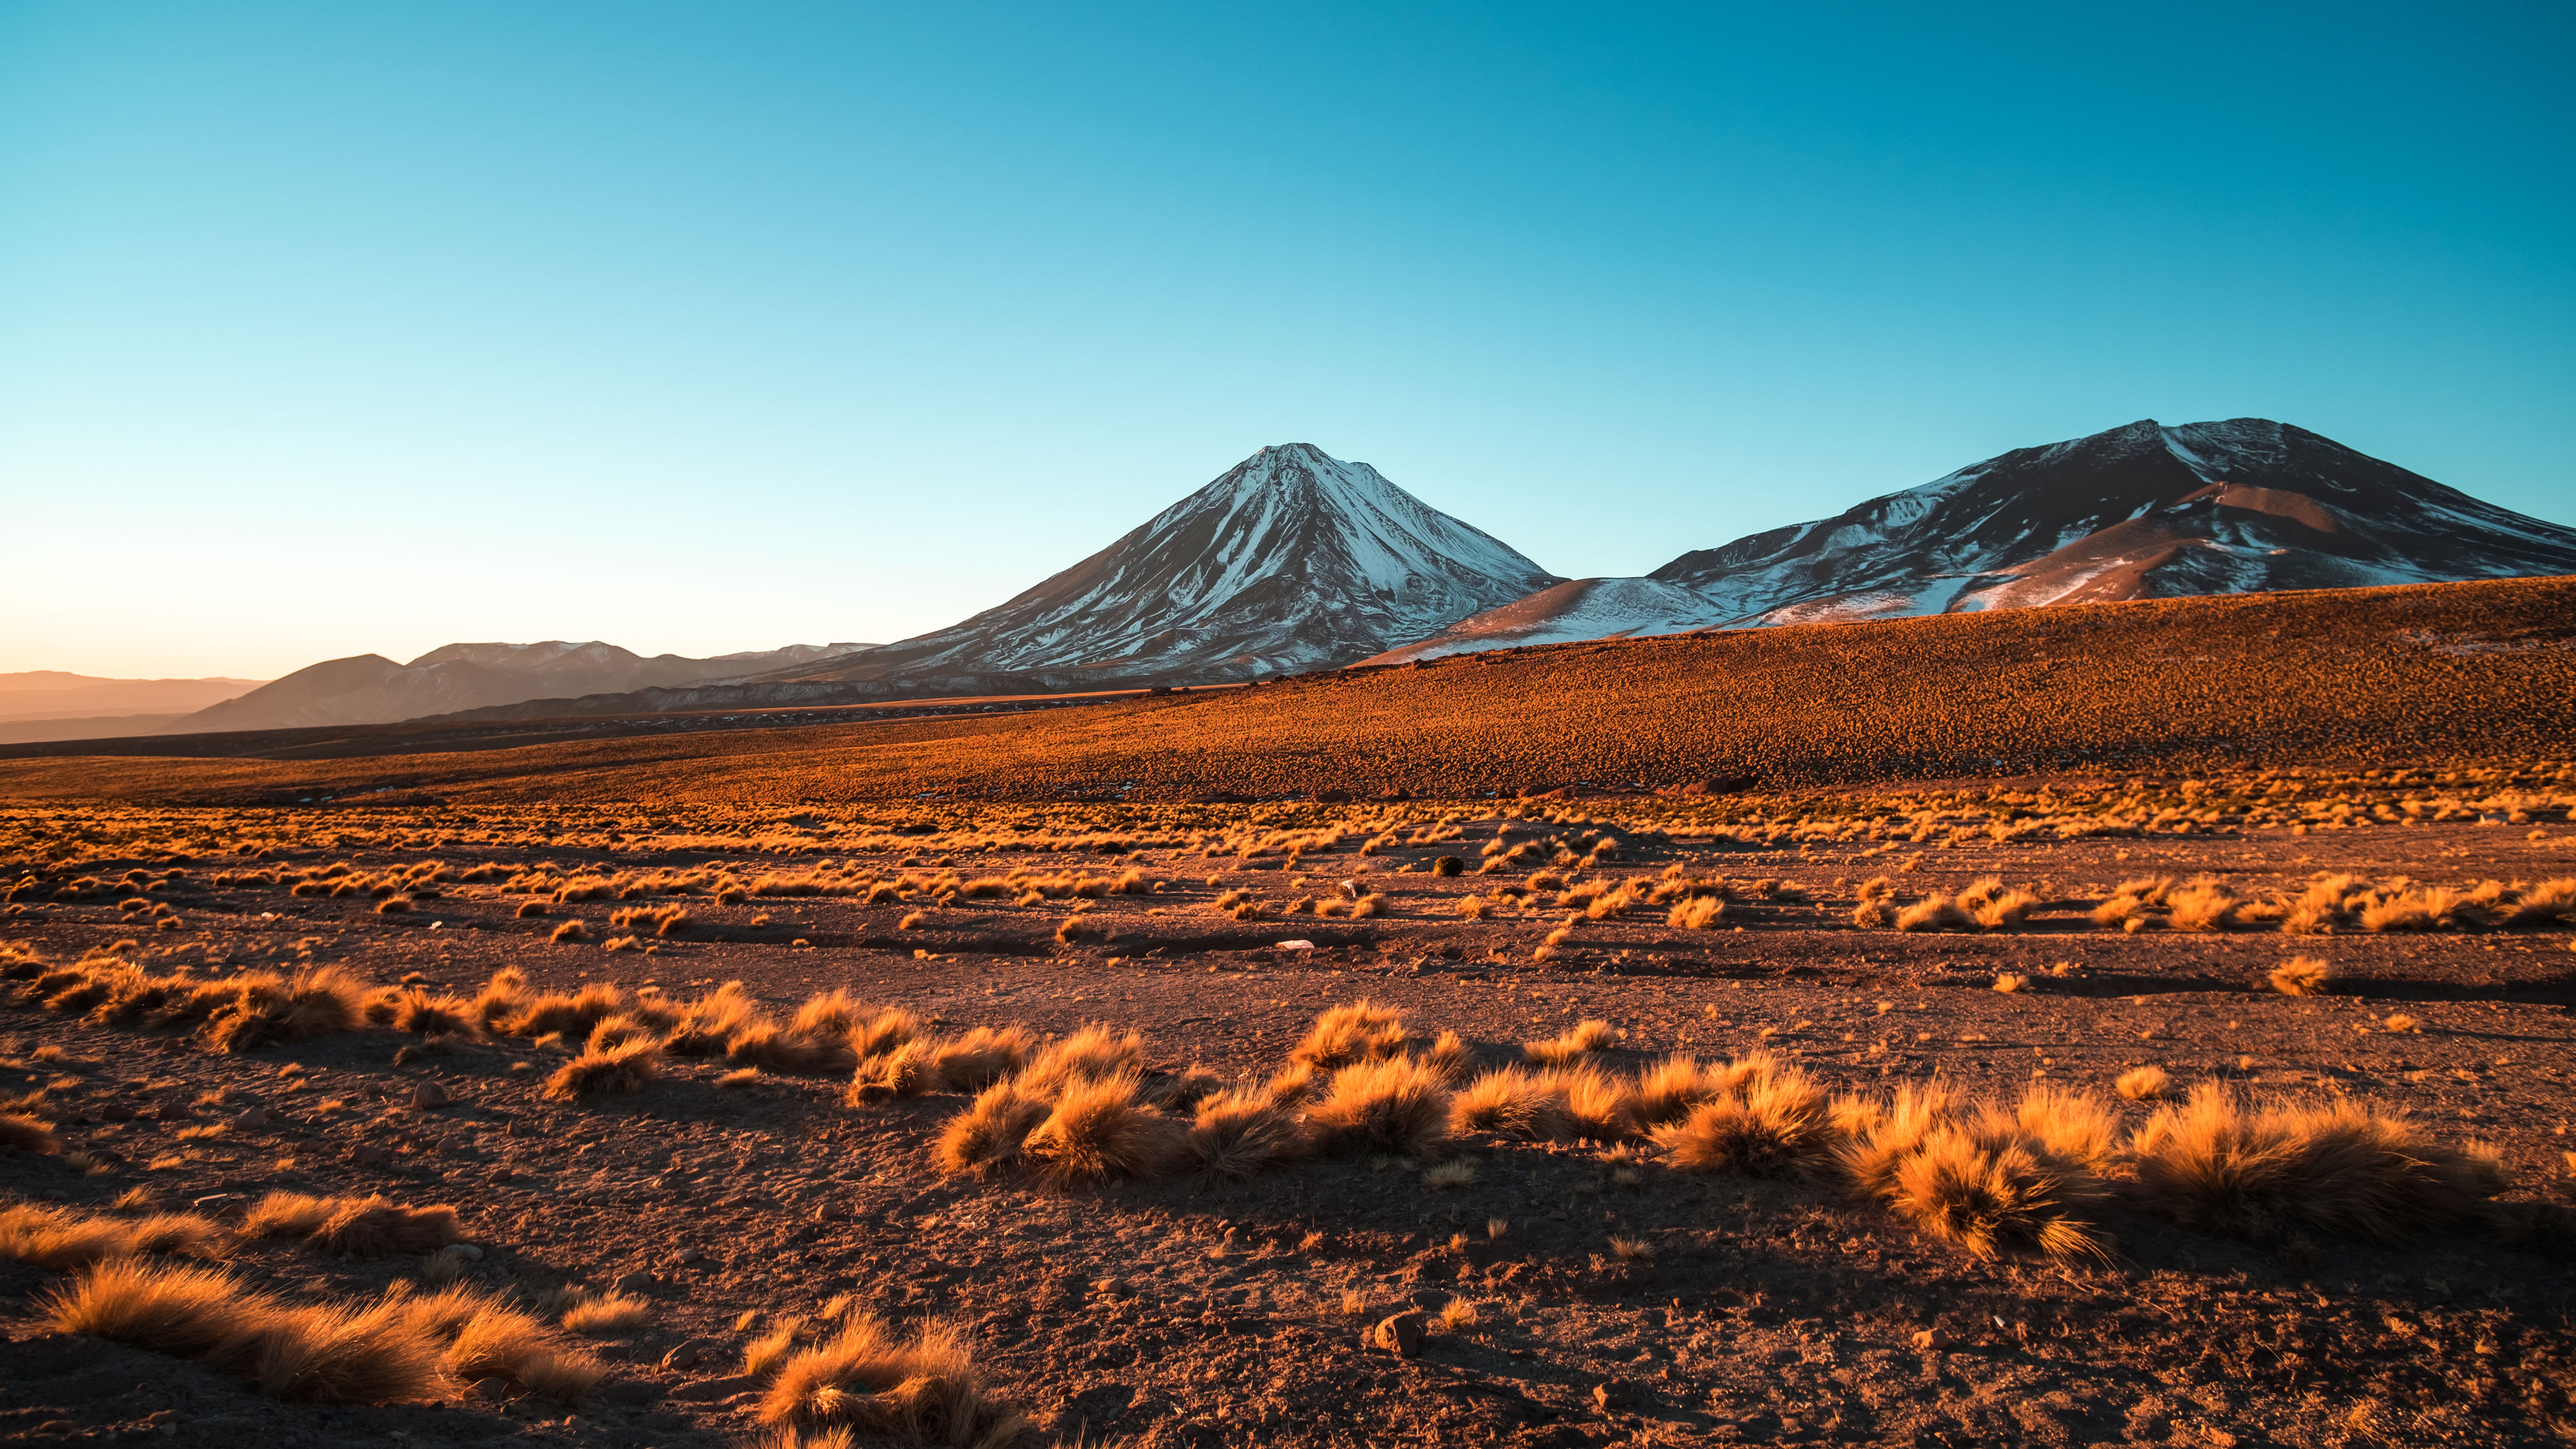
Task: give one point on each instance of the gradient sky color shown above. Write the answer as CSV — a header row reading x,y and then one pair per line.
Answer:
x,y
328,329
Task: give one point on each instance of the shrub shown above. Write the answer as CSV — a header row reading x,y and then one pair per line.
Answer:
x,y
1767,1121
60,1240
1447,866
2202,906
24,1133
268,1009
1358,1031
1699,913
1090,1052
1099,1130
1578,1041
1237,1134
615,1072
2301,976
1395,1105
1514,1101
569,933
2145,1084
368,1227
2219,1164
1970,1175
991,1132
865,1378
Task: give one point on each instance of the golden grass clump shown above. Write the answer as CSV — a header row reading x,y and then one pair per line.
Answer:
x,y
1514,1101
2203,906
1357,1031
607,1314
1996,906
318,1353
60,1240
369,1227
1972,1174
2301,976
1100,1129
1238,1134
2145,1084
1577,1042
1397,1105
1450,1056
268,1009
570,933
24,1133
707,1023
1699,913
1762,1119
2220,1164
1935,912
614,1072
1092,1052
990,1133
488,1338
868,1379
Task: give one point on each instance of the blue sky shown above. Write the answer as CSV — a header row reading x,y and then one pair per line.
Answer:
x,y
331,329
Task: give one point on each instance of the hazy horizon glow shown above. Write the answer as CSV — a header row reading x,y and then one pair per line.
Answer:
x,y
341,330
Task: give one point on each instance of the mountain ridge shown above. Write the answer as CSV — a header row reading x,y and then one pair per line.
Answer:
x,y
2243,505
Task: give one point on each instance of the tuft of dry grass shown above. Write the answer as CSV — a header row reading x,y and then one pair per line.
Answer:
x,y
267,1009
1699,913
1935,912
607,1315
1972,1174
1094,1051
371,1226
60,1240
314,1353
2009,982
1575,1043
1628,1249
2218,1163
1395,1105
2301,976
487,1338
1098,1130
1513,1101
1238,1134
1761,1118
614,1072
1450,1176
990,1133
1996,906
868,1379
2145,1084
570,933
1357,1031
23,1133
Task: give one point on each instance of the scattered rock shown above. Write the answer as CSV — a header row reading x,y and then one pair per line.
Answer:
x,y
1400,1334
467,1251
1929,1339
1613,1394
429,1095
252,1117
638,1281
688,1355
689,1256
369,1154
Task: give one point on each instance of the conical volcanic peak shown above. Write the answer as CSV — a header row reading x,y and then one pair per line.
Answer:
x,y
1290,560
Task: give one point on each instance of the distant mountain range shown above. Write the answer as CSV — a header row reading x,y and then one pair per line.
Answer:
x,y
2139,512
1293,561
49,704
371,689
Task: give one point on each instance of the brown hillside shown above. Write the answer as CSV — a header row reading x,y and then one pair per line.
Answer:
x,y
2416,673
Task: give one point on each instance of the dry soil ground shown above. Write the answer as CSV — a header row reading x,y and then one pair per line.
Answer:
x,y
1194,1311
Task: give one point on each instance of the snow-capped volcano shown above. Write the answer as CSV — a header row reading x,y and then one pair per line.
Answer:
x,y
2142,511
1292,560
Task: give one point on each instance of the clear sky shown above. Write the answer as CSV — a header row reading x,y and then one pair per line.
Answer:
x,y
328,329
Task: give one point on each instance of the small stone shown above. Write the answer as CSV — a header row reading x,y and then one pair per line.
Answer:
x,y
492,1390
56,1426
252,1117
689,1257
1928,1340
467,1251
1613,1394
688,1355
1400,1334
429,1095
369,1154
638,1281
827,1212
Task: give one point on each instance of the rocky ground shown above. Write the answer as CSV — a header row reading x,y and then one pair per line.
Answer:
x,y
1571,1293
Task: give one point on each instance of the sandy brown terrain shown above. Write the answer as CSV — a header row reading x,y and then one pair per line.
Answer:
x,y
1586,1290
